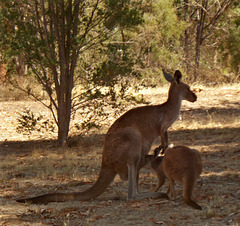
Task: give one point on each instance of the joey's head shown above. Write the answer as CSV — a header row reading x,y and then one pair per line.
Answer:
x,y
153,161
156,163
148,159
178,88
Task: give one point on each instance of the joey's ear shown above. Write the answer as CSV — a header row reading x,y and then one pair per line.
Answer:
x,y
178,76
167,76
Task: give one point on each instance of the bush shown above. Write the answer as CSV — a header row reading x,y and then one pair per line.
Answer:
x,y
28,122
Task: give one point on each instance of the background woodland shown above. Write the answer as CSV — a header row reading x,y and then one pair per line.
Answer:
x,y
84,56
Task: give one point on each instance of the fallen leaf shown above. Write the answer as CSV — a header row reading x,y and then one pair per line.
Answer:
x,y
155,221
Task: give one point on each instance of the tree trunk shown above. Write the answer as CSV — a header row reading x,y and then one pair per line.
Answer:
x,y
197,52
186,50
64,116
20,65
186,37
201,14
62,133
197,60
62,122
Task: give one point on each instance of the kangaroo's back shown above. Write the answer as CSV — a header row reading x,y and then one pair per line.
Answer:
x,y
181,161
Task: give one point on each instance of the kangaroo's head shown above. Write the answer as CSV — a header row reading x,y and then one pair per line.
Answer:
x,y
156,163
178,87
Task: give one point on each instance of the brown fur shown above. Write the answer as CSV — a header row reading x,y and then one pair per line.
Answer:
x,y
180,164
128,141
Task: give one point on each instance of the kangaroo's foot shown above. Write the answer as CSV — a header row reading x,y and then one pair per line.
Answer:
x,y
153,195
193,204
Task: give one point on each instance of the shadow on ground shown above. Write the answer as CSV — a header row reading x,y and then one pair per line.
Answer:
x,y
198,137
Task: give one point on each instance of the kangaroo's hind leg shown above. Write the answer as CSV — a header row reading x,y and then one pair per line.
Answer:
x,y
161,181
171,191
132,182
188,186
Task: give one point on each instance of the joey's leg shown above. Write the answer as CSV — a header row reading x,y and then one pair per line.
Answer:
x,y
187,193
161,181
133,187
172,191
168,193
168,190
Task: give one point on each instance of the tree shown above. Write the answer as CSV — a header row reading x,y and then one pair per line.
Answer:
x,y
204,28
157,40
202,17
52,35
230,39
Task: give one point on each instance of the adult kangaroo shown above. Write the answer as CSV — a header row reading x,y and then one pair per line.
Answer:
x,y
128,141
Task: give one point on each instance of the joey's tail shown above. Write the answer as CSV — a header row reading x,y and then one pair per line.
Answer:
x,y
104,180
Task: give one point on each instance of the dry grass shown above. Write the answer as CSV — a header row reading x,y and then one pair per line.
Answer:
x,y
31,167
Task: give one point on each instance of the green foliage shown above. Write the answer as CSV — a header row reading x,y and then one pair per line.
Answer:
x,y
117,63
158,40
19,33
124,13
53,36
230,45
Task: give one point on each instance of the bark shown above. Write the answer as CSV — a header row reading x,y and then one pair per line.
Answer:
x,y
63,126
186,37
20,65
199,35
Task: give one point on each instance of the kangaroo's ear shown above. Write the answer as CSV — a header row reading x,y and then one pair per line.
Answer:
x,y
167,76
178,76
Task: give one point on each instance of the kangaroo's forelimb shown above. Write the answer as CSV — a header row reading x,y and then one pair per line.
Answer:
x,y
157,151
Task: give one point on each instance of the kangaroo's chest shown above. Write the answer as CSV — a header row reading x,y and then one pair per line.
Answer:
x,y
167,120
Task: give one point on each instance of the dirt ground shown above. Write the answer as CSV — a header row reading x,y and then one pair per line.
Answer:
x,y
32,165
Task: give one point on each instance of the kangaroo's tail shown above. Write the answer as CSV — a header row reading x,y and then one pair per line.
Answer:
x,y
104,180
